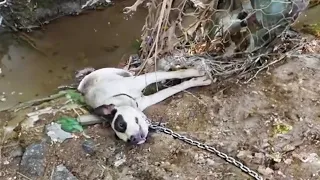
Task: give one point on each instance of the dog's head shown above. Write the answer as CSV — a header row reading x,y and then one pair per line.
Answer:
x,y
129,124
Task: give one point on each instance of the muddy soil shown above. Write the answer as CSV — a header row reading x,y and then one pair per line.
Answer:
x,y
271,124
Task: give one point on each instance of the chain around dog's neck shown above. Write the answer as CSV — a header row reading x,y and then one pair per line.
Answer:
x,y
122,94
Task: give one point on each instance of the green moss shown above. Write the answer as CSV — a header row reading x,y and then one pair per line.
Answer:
x,y
136,44
313,29
43,3
281,128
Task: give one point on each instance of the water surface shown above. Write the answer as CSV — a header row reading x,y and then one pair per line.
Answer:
x,y
97,39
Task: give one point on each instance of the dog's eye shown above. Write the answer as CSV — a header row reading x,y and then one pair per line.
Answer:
x,y
137,120
121,125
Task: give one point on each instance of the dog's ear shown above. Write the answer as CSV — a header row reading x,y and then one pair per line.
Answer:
x,y
106,111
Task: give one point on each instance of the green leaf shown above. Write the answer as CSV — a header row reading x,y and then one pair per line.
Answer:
x,y
75,96
70,124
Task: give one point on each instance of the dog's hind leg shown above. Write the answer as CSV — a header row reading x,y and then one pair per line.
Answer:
x,y
142,81
147,101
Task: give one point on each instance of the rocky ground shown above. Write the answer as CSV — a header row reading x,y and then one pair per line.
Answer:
x,y
271,124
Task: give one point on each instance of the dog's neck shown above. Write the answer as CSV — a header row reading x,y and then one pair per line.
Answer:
x,y
123,100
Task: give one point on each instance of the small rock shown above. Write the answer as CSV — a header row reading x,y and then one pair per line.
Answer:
x,y
62,173
120,159
6,162
276,157
210,162
265,171
244,154
288,161
119,162
3,99
17,152
258,158
288,147
307,158
88,147
33,160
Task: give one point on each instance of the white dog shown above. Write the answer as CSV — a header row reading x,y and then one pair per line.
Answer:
x,y
116,95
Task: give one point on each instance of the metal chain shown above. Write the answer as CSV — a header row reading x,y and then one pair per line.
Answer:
x,y
231,160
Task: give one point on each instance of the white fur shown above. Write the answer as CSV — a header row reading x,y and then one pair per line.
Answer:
x,y
100,86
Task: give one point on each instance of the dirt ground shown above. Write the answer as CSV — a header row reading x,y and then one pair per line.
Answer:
x,y
271,124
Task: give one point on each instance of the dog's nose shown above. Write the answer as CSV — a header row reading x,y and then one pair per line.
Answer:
x,y
135,139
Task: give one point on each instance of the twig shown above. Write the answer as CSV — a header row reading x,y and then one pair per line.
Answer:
x,y
30,41
264,67
24,176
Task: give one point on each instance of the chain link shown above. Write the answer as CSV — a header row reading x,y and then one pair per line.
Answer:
x,y
231,160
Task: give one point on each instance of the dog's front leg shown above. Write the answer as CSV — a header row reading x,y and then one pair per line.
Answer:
x,y
147,101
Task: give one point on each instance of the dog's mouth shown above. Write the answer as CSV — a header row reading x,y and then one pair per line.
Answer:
x,y
137,139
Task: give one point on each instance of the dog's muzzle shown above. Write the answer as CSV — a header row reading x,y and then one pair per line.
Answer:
x,y
137,139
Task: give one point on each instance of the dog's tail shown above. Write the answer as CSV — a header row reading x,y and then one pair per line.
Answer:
x,y
82,78
79,75
84,72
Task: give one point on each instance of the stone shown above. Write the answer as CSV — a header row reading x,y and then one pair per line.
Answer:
x,y
120,159
17,152
62,173
258,158
265,171
210,162
88,147
33,160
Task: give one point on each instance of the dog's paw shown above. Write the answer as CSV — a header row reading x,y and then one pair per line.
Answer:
x,y
200,81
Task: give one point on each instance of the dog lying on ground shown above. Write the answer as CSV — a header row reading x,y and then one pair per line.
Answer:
x,y
116,96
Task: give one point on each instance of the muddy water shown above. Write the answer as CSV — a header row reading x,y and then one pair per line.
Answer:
x,y
97,39
311,16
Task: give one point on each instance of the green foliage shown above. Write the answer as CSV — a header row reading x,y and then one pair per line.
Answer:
x,y
281,128
75,96
136,44
313,29
70,124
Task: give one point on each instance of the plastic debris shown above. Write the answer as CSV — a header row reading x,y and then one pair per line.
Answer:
x,y
89,119
56,134
75,96
34,117
70,124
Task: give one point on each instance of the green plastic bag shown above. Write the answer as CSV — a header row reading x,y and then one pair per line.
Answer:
x,y
75,96
70,124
